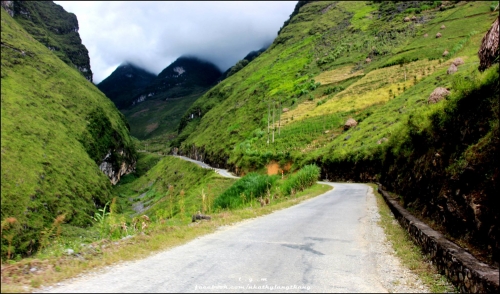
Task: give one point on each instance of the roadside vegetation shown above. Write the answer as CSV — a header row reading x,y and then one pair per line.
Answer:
x,y
151,210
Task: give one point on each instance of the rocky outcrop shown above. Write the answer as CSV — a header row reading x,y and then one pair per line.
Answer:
x,y
55,28
489,50
438,94
350,123
458,61
114,172
9,7
452,69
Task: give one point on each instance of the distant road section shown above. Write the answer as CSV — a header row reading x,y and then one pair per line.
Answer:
x,y
222,172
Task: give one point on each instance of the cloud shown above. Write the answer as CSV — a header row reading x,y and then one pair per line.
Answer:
x,y
154,34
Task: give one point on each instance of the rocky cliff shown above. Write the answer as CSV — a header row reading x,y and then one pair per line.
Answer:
x,y
55,28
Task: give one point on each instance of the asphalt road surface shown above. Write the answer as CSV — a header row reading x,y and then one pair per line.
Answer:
x,y
222,172
330,243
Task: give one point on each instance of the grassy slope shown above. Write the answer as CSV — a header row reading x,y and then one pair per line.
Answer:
x,y
152,188
316,67
158,118
46,171
324,42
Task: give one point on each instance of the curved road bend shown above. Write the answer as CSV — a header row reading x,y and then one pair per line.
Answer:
x,y
330,243
222,172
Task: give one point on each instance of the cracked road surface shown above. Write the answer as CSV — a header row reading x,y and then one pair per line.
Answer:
x,y
330,243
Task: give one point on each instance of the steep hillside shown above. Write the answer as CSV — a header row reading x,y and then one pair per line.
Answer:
x,y
55,28
374,62
59,133
242,63
125,84
157,110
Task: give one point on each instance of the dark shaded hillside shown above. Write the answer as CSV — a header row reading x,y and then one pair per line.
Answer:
x,y
60,135
157,110
125,83
182,77
55,28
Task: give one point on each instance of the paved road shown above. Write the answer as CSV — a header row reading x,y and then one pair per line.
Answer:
x,y
222,172
330,243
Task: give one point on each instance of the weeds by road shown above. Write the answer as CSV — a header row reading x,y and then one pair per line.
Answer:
x,y
58,263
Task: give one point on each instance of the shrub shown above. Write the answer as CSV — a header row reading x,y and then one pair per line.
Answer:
x,y
304,178
252,185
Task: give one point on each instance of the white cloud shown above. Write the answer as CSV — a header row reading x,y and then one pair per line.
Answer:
x,y
154,34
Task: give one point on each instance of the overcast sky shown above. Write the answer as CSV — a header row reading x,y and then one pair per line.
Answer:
x,y
154,34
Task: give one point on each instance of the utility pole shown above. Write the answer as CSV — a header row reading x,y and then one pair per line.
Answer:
x,y
274,107
279,118
268,116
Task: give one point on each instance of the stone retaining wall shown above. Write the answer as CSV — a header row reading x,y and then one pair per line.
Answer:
x,y
464,270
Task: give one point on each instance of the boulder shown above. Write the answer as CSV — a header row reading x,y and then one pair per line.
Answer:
x,y
368,60
406,19
200,216
285,109
426,35
445,53
443,27
437,95
438,35
414,18
458,61
452,69
350,123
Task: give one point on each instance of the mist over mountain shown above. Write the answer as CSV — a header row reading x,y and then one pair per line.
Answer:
x,y
156,108
125,83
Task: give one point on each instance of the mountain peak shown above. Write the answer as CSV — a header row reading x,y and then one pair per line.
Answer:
x,y
124,83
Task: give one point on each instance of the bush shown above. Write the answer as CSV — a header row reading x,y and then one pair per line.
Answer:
x,y
303,179
251,186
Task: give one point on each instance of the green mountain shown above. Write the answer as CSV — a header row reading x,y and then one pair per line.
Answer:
x,y
125,83
351,87
156,111
62,143
55,28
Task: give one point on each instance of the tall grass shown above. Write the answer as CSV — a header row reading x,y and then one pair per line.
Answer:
x,y
303,179
252,186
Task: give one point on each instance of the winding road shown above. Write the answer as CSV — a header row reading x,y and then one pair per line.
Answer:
x,y
222,172
330,243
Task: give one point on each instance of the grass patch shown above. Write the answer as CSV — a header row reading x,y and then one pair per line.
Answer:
x,y
410,254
